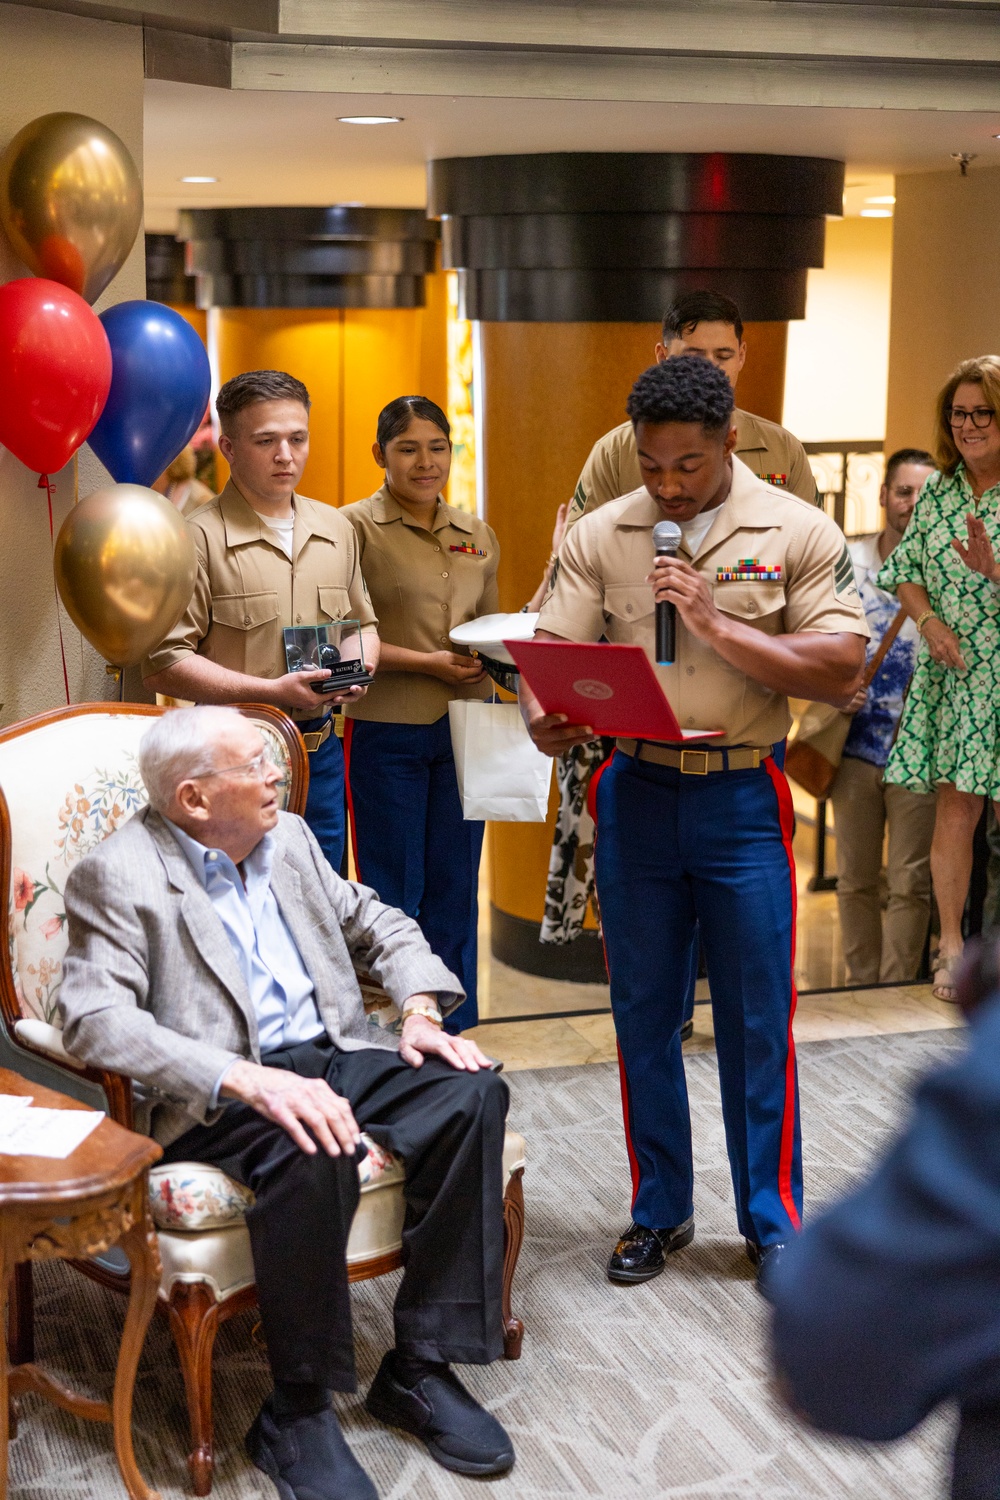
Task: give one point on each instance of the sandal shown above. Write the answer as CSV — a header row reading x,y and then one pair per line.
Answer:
x,y
944,987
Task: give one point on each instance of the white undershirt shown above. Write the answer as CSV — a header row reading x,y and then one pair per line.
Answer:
x,y
696,530
283,527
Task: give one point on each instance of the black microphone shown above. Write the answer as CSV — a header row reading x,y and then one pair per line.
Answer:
x,y
666,540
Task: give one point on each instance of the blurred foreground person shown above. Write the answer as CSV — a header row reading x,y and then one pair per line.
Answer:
x,y
889,1305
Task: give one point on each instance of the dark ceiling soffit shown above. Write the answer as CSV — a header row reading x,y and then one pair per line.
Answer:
x,y
177,57
257,19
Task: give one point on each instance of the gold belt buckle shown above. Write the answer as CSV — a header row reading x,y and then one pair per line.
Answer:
x,y
316,737
701,770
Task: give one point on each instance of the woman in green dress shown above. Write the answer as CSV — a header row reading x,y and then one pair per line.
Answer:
x,y
946,575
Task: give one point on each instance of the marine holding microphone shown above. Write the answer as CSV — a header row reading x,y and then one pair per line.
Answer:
x,y
765,606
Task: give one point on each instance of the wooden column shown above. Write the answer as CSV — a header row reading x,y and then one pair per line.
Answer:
x,y
353,361
550,391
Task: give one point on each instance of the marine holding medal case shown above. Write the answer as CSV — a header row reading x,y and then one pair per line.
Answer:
x,y
337,646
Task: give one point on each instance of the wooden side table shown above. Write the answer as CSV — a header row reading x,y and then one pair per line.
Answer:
x,y
61,1210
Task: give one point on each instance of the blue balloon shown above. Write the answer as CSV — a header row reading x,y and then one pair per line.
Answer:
x,y
160,384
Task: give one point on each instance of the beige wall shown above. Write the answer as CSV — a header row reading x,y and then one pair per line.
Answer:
x,y
50,62
945,290
838,356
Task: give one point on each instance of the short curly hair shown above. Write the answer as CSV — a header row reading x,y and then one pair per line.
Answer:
x,y
686,388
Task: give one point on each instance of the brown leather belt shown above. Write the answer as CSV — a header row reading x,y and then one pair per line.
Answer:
x,y
696,762
317,737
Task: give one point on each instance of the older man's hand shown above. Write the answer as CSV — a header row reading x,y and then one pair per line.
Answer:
x,y
421,1038
293,1103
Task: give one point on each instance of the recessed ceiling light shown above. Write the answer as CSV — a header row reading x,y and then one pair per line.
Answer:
x,y
888,198
370,119
199,179
876,213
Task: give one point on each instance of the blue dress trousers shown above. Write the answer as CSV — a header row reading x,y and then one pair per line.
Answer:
x,y
412,843
677,853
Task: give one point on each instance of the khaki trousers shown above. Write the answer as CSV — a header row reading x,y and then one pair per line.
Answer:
x,y
862,804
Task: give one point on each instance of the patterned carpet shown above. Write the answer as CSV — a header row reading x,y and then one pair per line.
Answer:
x,y
653,1392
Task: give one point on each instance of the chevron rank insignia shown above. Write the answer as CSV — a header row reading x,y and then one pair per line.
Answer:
x,y
844,585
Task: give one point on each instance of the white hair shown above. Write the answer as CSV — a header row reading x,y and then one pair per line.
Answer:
x,y
181,744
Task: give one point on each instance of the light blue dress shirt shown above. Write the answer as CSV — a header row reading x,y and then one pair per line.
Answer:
x,y
280,989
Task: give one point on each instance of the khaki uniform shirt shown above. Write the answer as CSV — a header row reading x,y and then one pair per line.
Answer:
x,y
767,450
600,590
247,590
423,583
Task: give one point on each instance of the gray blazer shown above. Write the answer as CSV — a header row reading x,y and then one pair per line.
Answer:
x,y
152,987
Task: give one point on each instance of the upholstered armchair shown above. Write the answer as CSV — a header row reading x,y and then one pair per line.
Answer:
x,y
67,780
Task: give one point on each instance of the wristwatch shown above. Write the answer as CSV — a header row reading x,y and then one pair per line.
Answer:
x,y
429,1012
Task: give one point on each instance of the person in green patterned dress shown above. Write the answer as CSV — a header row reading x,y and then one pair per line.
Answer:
x,y
946,575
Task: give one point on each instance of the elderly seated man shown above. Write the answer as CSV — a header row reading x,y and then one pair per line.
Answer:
x,y
212,958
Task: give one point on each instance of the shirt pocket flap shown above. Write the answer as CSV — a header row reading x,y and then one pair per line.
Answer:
x,y
628,601
244,611
334,602
749,601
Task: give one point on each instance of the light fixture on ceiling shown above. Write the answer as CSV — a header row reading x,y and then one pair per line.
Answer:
x,y
370,119
876,213
199,179
885,198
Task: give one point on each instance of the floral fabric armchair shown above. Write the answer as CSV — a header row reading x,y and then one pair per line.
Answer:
x,y
68,779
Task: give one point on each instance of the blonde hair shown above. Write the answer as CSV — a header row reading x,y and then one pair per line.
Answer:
x,y
983,371
184,466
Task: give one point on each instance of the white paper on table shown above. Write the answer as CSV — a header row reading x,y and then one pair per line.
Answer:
x,y
55,1133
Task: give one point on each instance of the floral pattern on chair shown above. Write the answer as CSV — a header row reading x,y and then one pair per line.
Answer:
x,y
91,809
190,1196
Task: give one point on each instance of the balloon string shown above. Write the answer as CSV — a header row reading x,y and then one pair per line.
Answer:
x,y
45,483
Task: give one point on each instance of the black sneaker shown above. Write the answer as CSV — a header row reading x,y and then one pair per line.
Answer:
x,y
641,1253
307,1457
458,1433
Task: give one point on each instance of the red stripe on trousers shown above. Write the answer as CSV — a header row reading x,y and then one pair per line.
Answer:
x,y
348,737
633,1164
786,816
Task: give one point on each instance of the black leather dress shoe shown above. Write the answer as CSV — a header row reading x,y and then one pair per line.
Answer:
x,y
307,1457
458,1433
764,1258
641,1253
687,1030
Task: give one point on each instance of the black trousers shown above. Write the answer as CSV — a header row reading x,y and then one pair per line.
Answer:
x,y
448,1126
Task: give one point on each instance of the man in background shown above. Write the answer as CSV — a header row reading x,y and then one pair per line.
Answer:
x,y
709,325
862,804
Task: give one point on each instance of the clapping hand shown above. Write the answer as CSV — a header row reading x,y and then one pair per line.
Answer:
x,y
978,555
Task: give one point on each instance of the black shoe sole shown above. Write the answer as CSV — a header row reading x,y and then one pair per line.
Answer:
x,y
390,1417
633,1278
687,1031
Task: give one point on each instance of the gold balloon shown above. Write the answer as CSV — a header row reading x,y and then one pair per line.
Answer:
x,y
125,570
70,201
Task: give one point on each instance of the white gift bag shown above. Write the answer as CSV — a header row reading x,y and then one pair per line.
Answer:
x,y
501,776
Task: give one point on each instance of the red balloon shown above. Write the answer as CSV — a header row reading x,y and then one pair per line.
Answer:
x,y
55,372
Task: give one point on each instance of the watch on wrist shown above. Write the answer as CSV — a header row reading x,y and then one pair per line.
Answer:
x,y
429,1012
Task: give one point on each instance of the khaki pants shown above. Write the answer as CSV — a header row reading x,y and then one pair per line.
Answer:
x,y
862,804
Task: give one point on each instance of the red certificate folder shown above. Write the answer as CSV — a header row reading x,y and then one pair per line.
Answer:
x,y
612,688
